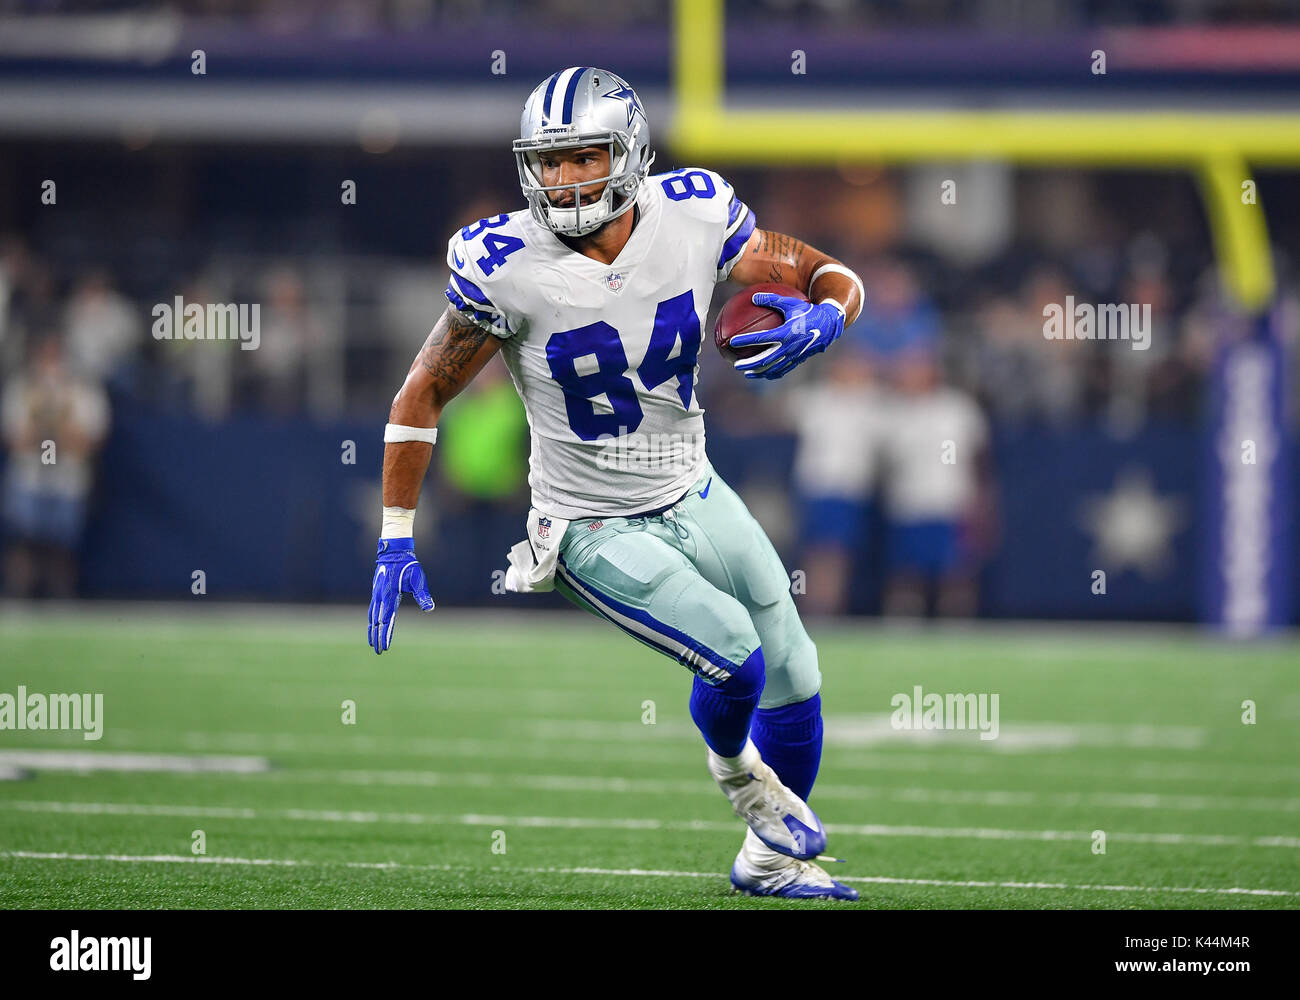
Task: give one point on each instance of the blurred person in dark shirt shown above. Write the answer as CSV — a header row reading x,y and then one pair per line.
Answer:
x,y
897,315
1022,376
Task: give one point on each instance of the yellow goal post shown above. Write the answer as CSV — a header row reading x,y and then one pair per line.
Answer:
x,y
1218,147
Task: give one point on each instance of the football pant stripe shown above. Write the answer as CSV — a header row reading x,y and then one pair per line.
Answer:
x,y
681,647
573,585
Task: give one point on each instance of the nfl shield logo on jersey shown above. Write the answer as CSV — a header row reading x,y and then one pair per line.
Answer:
x,y
543,527
613,282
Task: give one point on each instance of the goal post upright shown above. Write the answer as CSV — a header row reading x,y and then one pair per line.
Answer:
x,y
1217,147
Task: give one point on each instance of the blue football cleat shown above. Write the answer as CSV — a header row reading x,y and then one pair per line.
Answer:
x,y
758,871
773,813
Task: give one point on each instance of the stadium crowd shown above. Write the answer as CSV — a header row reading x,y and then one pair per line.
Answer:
x,y
951,342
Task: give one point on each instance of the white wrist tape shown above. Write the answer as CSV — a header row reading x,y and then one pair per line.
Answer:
x,y
399,522
839,269
836,303
395,433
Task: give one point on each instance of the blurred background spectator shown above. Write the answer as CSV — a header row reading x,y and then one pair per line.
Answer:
x,y
105,331
54,421
936,465
839,421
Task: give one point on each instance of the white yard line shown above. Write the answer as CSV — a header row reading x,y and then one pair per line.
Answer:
x,y
616,823
943,761
853,731
12,763
354,744
74,760
618,872
705,788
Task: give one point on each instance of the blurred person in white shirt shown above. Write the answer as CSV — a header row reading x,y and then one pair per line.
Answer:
x,y
934,447
835,475
104,330
54,421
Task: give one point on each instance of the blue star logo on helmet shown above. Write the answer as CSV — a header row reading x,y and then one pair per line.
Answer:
x,y
628,96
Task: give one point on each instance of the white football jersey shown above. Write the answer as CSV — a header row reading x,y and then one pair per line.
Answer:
x,y
605,356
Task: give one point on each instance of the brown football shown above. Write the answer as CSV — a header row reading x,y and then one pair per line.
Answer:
x,y
740,315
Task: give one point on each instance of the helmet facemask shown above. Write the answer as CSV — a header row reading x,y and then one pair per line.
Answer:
x,y
623,180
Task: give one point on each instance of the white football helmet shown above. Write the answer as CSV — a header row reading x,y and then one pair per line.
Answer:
x,y
583,106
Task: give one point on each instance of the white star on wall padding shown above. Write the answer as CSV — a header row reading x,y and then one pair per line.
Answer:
x,y
1133,526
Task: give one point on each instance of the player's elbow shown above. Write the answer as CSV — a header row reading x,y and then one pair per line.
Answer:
x,y
418,401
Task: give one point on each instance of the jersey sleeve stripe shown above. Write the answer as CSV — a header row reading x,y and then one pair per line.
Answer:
x,y
471,291
468,308
735,216
735,243
733,211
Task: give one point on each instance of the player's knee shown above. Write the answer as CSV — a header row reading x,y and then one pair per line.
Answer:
x,y
792,667
803,669
793,675
722,628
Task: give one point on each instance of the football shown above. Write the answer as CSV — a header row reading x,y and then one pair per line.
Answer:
x,y
740,315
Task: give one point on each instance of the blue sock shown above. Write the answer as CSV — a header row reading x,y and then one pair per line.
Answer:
x,y
790,740
724,711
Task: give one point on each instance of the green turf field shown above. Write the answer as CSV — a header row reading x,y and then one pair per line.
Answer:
x,y
525,733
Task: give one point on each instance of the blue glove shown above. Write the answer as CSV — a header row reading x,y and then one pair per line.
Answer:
x,y
809,329
397,572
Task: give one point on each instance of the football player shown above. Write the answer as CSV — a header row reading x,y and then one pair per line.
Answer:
x,y
595,296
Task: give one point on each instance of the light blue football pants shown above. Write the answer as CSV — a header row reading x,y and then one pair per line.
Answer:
x,y
700,583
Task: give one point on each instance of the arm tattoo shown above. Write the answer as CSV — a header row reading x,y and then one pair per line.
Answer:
x,y
784,255
451,347
787,260
452,355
